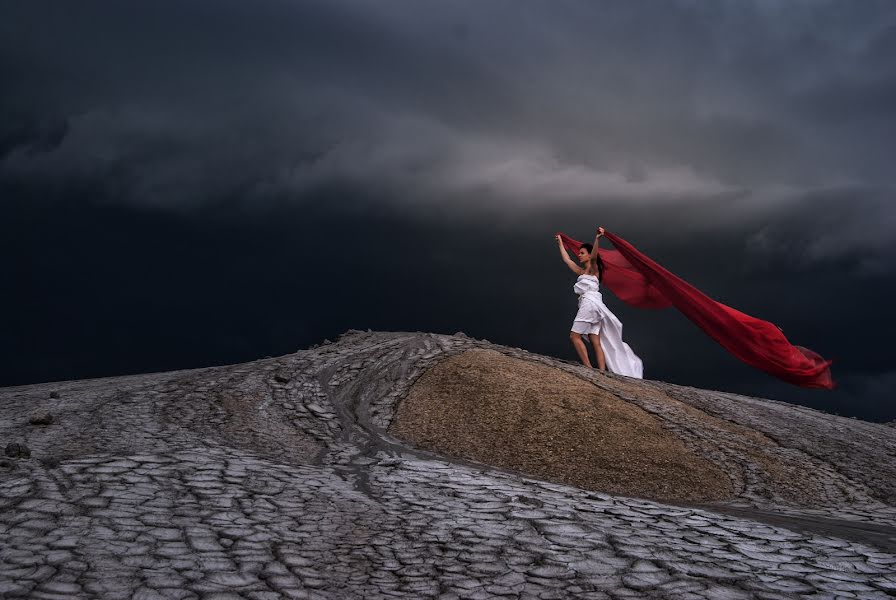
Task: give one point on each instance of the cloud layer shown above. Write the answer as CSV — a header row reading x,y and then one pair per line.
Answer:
x,y
180,103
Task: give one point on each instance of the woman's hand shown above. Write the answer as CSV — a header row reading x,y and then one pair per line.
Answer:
x,y
559,239
600,231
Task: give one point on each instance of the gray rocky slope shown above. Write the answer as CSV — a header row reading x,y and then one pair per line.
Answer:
x,y
278,478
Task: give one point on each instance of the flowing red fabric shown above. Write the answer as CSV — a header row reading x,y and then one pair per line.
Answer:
x,y
639,281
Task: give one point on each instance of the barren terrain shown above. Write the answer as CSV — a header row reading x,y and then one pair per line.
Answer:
x,y
420,466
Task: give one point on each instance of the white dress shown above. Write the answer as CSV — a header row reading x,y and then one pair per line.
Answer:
x,y
595,317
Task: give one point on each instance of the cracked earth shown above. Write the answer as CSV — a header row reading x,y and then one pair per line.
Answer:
x,y
300,477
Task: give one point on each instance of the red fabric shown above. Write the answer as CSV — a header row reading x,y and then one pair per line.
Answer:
x,y
623,279
639,281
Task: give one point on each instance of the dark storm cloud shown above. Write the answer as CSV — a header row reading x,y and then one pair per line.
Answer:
x,y
175,174
851,229
504,100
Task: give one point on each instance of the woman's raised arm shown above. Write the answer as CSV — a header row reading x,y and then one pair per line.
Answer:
x,y
565,256
594,254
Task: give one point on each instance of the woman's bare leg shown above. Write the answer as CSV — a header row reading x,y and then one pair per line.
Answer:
x,y
598,351
580,347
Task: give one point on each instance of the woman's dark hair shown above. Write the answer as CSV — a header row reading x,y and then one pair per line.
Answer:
x,y
598,261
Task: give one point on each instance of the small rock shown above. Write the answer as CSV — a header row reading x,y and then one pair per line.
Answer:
x,y
281,378
530,501
16,450
40,417
54,394
50,461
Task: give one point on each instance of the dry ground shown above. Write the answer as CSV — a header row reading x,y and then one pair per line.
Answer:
x,y
528,417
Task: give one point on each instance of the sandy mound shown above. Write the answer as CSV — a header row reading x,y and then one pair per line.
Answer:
x,y
528,417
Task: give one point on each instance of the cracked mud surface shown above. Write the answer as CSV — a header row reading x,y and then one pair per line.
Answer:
x,y
280,478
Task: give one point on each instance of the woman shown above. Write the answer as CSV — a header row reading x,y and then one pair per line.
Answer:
x,y
594,319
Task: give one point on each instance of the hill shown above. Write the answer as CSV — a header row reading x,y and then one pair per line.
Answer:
x,y
418,465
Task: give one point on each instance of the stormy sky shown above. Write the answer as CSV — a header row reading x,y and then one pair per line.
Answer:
x,y
195,183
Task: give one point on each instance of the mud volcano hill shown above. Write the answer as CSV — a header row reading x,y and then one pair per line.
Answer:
x,y
415,465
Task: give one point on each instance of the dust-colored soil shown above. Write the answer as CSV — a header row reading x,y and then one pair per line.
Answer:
x,y
523,416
